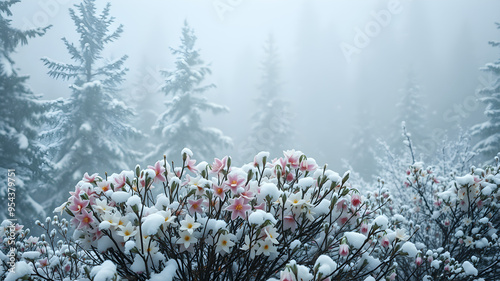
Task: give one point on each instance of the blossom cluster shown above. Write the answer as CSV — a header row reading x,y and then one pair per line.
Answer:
x,y
219,222
453,211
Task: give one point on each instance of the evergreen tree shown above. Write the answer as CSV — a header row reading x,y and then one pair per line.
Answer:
x,y
20,115
411,110
181,124
489,131
91,130
271,128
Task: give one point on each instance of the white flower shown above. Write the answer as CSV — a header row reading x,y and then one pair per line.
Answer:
x,y
127,231
169,219
224,243
188,224
113,219
102,206
186,238
266,248
271,234
401,234
296,199
468,241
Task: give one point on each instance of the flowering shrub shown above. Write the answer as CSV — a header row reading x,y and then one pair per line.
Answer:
x,y
286,218
453,212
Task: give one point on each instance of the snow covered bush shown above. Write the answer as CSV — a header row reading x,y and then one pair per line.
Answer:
x,y
286,217
452,211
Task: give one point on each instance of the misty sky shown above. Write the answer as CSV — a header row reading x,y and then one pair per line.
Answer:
x,y
443,42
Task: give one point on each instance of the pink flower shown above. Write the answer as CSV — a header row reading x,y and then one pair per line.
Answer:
x,y
238,208
308,165
364,228
85,218
119,182
77,204
220,191
447,268
287,276
384,242
430,259
480,204
293,157
218,165
43,262
195,206
418,261
262,206
159,171
191,165
89,179
289,223
234,181
247,196
344,250
355,200
392,276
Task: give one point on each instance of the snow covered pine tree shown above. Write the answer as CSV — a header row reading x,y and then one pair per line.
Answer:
x,y
271,122
181,124
20,114
90,129
489,131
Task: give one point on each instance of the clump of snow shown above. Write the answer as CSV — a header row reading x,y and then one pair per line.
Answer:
x,y
85,127
409,248
323,207
304,183
355,239
448,195
435,264
469,269
104,272
333,176
487,190
120,196
465,180
259,158
167,274
369,278
398,218
21,269
134,200
22,141
187,151
271,190
152,223
373,263
31,255
129,245
381,221
259,217
327,265
104,225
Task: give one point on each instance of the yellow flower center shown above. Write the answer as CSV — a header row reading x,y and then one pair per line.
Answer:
x,y
126,232
224,243
186,238
239,207
190,225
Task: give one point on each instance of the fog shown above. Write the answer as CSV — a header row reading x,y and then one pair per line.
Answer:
x,y
342,63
